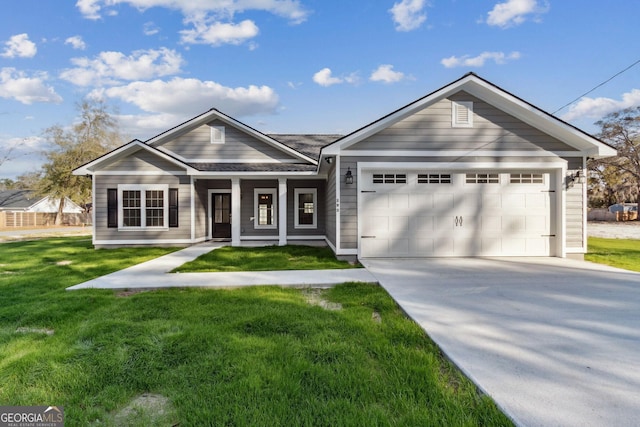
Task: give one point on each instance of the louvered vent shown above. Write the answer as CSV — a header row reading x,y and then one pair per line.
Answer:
x,y
462,114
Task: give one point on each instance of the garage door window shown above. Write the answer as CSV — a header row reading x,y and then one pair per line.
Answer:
x,y
389,178
483,178
434,178
527,178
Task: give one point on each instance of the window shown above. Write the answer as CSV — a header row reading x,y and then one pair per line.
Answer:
x,y
217,134
526,178
265,207
306,201
483,178
461,114
141,206
390,178
434,178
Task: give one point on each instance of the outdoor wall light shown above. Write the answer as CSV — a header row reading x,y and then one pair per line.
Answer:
x,y
576,178
329,160
348,177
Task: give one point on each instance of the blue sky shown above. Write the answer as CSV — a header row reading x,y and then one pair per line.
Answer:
x,y
299,66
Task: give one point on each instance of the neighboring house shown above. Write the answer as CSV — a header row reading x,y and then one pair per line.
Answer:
x,y
28,201
468,170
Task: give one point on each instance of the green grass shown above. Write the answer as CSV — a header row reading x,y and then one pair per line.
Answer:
x,y
289,257
260,356
621,253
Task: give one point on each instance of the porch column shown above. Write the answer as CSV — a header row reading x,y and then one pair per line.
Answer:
x,y
282,211
235,212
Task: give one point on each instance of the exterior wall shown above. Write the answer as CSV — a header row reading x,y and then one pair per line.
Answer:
x,y
203,216
238,146
102,232
319,185
575,212
141,161
247,227
349,205
330,206
430,129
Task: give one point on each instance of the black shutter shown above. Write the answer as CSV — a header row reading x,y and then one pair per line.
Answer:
x,y
173,207
112,208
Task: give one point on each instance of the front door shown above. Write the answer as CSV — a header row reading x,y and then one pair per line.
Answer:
x,y
221,216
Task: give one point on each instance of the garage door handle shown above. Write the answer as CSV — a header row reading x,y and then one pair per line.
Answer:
x,y
367,237
458,221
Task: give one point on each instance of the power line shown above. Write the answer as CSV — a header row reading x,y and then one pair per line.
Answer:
x,y
600,85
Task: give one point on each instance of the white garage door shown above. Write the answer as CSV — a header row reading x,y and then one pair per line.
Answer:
x,y
433,214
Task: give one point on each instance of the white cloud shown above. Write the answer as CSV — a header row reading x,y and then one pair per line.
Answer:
x,y
408,14
597,108
324,78
218,33
290,9
150,29
479,61
17,85
114,67
515,12
19,46
185,98
385,73
76,42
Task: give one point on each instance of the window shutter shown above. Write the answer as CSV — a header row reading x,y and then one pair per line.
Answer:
x,y
112,208
173,207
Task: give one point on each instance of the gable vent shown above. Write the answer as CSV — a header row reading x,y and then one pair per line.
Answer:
x,y
462,114
217,134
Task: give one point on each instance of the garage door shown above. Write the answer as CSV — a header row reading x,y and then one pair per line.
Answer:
x,y
438,214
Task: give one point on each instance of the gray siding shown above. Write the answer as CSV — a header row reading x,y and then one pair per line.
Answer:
x,y
142,161
348,206
182,183
575,212
430,129
319,185
246,208
238,145
330,223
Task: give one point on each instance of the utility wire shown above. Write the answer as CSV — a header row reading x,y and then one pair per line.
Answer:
x,y
600,85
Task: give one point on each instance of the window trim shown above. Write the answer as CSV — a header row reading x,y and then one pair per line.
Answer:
x,y
143,188
274,208
455,105
216,129
296,207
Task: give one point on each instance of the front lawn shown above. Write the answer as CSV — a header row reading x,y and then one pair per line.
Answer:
x,y
261,356
267,258
621,253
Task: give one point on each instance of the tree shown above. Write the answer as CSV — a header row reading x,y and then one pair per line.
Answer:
x,y
95,134
621,130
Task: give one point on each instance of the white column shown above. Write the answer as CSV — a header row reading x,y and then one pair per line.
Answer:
x,y
282,211
235,212
193,209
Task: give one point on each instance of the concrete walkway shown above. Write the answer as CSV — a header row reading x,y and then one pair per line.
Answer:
x,y
154,274
555,342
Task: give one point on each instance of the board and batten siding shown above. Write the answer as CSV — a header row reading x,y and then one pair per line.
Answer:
x,y
330,206
238,146
319,185
431,129
104,182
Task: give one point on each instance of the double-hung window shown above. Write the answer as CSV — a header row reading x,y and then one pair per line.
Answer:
x,y
143,206
265,207
306,203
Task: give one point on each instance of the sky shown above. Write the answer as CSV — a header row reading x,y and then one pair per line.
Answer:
x,y
299,66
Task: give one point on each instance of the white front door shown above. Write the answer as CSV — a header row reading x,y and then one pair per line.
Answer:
x,y
416,214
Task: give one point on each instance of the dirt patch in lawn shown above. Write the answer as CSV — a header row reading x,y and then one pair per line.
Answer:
x,y
146,410
314,297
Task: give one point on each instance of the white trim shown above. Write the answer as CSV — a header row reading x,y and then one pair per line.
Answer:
x,y
143,173
337,206
461,166
575,251
561,214
348,252
585,203
143,188
282,212
296,207
459,153
209,216
455,106
149,241
316,237
93,210
273,237
274,208
236,213
248,175
192,202
333,248
216,134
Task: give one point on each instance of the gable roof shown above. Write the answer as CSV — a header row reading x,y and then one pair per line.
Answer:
x,y
18,199
499,98
216,114
306,144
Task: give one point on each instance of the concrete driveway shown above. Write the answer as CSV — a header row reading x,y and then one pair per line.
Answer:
x,y
555,342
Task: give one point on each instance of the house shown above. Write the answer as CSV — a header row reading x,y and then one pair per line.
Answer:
x,y
467,170
23,208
